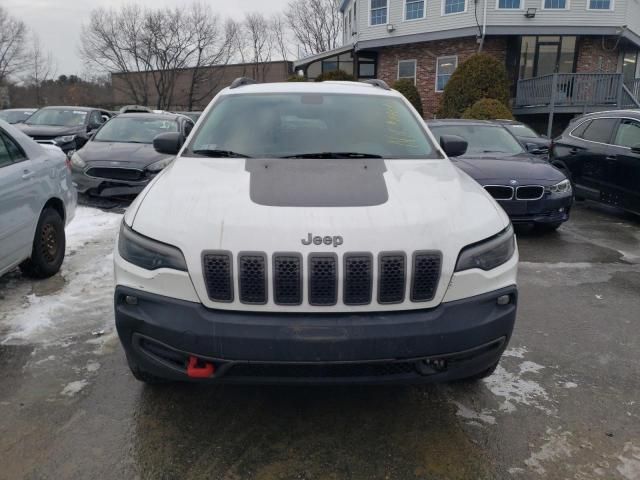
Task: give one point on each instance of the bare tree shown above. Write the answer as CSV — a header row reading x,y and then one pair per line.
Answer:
x,y
40,69
117,42
259,44
316,24
281,39
214,47
13,40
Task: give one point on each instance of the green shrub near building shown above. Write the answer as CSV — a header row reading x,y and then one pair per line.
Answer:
x,y
409,90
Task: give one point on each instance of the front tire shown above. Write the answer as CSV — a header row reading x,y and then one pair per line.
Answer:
x,y
49,244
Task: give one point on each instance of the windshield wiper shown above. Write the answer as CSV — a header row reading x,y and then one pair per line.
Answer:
x,y
334,155
219,153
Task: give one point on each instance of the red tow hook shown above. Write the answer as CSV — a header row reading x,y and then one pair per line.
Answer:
x,y
206,370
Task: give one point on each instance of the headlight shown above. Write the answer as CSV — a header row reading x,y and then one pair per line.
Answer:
x,y
562,187
77,162
64,139
488,254
156,167
148,254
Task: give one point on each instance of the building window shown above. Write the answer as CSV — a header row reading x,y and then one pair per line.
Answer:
x,y
413,9
444,69
454,6
354,26
600,5
378,12
407,70
555,4
509,4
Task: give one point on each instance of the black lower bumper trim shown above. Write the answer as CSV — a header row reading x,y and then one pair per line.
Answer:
x,y
160,333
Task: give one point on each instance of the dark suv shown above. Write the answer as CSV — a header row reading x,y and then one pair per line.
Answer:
x,y
600,153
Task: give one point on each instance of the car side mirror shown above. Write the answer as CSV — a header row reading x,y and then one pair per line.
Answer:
x,y
636,148
453,145
168,143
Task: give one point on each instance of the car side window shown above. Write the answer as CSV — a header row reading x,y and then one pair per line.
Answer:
x,y
600,130
10,152
579,132
96,118
188,126
628,134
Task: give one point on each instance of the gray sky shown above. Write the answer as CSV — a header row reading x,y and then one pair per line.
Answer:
x,y
58,22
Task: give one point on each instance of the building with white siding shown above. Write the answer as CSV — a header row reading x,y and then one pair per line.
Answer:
x,y
565,56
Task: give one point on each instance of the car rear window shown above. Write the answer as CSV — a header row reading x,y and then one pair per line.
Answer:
x,y
289,124
599,130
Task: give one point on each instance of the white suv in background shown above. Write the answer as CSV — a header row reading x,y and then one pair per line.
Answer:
x,y
314,232
37,200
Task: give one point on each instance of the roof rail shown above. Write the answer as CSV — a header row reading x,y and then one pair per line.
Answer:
x,y
377,83
241,82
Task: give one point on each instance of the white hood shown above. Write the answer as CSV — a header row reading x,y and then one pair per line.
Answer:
x,y
211,205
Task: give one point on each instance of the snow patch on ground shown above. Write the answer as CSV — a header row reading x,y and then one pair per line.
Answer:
x,y
515,389
73,388
516,352
556,446
629,467
87,223
483,416
84,298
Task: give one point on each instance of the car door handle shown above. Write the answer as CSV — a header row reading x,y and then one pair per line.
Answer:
x,y
611,158
573,151
26,174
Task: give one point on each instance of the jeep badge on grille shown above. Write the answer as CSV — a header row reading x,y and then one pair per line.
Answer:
x,y
336,241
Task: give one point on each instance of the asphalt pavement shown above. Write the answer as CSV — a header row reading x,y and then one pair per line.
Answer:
x,y
564,402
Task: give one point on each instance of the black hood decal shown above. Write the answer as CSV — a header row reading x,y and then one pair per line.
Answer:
x,y
312,182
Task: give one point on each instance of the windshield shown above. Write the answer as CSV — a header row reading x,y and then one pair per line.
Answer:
x,y
134,130
522,131
14,116
293,124
59,117
483,139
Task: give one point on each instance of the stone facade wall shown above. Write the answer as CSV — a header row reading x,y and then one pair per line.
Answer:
x,y
594,57
426,55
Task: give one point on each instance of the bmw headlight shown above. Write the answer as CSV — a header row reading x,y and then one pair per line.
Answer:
x,y
77,161
488,254
147,253
562,187
160,165
64,139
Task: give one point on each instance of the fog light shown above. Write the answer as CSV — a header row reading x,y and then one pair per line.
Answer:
x,y
561,210
504,300
130,300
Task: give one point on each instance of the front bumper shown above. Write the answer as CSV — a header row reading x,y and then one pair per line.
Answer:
x,y
452,341
553,208
104,187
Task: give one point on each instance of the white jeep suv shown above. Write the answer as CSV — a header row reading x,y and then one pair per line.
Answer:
x,y
314,232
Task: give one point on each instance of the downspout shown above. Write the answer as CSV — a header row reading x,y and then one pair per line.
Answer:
x,y
484,25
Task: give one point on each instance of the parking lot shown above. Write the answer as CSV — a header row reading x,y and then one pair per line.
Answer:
x,y
564,402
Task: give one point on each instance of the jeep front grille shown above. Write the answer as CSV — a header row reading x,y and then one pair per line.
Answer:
x,y
287,279
323,279
392,274
426,273
217,275
358,278
252,276
320,278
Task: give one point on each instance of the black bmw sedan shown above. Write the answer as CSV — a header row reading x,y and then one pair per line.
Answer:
x,y
529,189
120,159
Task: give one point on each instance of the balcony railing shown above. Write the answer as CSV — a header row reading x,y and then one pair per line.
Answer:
x,y
577,90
